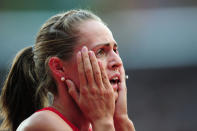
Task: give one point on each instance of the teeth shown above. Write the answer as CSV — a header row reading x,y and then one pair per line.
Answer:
x,y
115,78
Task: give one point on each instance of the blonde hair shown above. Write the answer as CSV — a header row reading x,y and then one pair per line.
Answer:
x,y
29,79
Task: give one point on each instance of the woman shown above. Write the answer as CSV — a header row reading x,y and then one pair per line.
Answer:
x,y
75,58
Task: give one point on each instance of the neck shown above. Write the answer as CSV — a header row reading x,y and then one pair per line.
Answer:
x,y
67,107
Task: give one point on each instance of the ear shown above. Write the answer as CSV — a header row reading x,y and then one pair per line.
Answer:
x,y
56,66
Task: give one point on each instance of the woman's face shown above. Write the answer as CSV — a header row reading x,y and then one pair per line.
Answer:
x,y
98,38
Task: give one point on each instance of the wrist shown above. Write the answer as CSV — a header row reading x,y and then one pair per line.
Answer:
x,y
123,123
121,118
103,124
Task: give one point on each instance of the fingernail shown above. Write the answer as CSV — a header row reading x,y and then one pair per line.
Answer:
x,y
100,63
84,49
67,82
91,53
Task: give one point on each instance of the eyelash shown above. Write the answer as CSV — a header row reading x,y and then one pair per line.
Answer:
x,y
101,51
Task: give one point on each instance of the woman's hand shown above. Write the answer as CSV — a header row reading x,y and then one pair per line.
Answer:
x,y
95,96
121,103
121,119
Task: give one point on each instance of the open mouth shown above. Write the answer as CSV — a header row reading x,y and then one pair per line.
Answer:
x,y
114,82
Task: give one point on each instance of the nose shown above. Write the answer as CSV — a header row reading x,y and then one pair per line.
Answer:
x,y
114,61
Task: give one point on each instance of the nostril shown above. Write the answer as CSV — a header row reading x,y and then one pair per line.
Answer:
x,y
115,64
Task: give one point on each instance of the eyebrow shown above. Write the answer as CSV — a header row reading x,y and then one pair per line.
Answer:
x,y
105,44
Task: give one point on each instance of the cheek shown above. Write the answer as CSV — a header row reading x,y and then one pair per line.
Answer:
x,y
104,63
72,73
75,75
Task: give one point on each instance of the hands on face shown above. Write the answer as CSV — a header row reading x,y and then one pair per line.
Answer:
x,y
96,96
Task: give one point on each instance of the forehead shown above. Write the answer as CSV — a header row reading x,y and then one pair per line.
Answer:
x,y
93,33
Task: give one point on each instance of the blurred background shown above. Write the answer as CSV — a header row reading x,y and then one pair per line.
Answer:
x,y
157,42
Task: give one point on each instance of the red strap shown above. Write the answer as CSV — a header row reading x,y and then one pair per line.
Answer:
x,y
64,118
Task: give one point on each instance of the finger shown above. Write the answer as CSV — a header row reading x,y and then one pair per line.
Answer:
x,y
72,90
82,77
122,94
96,69
122,90
122,87
122,77
122,73
104,76
87,66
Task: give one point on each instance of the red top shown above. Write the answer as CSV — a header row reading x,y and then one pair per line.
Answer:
x,y
64,118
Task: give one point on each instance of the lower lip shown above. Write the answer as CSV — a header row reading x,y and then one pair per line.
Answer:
x,y
115,86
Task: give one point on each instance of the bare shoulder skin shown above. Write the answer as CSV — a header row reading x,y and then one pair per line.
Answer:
x,y
44,120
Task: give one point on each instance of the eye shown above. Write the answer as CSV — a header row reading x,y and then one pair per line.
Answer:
x,y
100,52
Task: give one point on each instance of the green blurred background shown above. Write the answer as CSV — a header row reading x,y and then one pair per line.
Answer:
x,y
157,42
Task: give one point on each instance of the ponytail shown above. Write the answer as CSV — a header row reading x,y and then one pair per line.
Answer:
x,y
18,99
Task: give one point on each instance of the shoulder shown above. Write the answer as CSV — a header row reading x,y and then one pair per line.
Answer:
x,y
43,120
